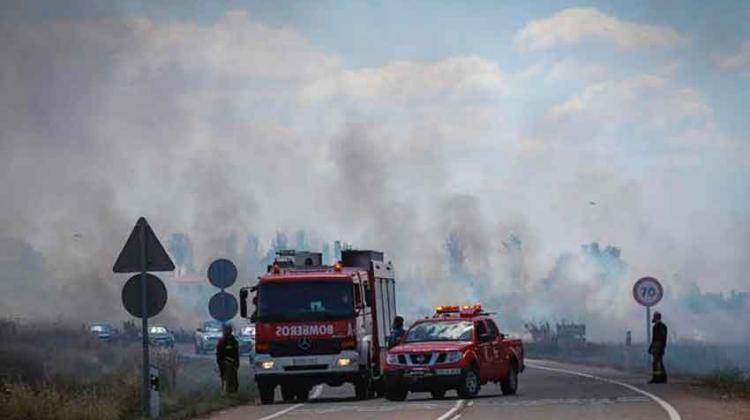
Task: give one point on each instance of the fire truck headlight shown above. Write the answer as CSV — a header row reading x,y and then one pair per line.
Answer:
x,y
343,361
391,359
268,364
453,356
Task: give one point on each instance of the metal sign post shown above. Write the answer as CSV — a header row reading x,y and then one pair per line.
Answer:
x,y
648,292
144,321
143,253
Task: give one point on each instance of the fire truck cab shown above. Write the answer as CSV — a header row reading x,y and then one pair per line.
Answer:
x,y
318,324
459,348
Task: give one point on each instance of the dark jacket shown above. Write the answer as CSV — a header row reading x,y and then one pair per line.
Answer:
x,y
228,349
395,338
658,339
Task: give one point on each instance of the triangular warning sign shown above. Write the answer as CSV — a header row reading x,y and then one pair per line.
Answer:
x,y
129,260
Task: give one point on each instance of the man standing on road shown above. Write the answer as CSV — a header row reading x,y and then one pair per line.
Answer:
x,y
657,349
397,331
228,358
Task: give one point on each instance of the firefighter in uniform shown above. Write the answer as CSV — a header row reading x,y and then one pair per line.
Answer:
x,y
657,349
397,331
228,358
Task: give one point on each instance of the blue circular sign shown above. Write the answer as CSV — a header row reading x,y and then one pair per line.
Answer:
x,y
222,306
222,273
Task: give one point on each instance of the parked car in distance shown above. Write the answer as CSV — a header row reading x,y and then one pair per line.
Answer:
x,y
160,336
206,337
246,337
101,330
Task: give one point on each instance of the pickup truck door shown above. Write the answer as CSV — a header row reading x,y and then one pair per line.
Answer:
x,y
484,351
499,351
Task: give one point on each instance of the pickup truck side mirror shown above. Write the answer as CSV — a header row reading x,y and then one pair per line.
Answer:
x,y
501,336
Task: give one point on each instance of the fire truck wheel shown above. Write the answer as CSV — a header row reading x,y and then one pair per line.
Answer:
x,y
509,385
266,392
363,388
303,393
396,394
287,392
438,394
469,387
378,389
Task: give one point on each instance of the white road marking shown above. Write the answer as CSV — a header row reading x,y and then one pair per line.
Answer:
x,y
315,394
563,401
458,406
456,417
673,414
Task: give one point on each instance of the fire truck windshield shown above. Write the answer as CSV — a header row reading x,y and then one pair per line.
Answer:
x,y
308,300
440,331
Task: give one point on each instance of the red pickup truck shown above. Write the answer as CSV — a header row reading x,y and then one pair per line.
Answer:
x,y
458,348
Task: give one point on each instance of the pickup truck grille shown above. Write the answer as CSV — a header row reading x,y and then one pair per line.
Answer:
x,y
420,358
291,348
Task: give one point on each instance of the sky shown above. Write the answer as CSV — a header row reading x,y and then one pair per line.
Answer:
x,y
389,125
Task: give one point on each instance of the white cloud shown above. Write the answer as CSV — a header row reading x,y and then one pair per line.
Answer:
x,y
569,69
642,99
735,61
454,78
575,25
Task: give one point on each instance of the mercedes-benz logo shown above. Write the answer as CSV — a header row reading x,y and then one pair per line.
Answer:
x,y
304,343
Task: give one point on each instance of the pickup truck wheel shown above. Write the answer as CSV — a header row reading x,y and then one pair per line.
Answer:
x,y
287,393
265,390
396,394
509,385
438,394
303,393
469,387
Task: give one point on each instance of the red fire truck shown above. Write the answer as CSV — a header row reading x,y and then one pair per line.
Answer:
x,y
318,324
458,348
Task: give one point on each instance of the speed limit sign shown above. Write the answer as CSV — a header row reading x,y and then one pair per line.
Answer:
x,y
648,291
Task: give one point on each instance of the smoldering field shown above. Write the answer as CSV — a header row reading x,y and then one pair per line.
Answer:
x,y
236,128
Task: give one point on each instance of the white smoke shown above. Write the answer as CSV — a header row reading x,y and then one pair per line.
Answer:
x,y
238,128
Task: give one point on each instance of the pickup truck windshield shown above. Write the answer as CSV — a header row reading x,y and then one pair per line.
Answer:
x,y
440,331
308,300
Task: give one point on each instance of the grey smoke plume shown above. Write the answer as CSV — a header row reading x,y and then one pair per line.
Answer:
x,y
233,128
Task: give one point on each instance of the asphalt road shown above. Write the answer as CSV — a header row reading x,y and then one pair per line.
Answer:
x,y
547,390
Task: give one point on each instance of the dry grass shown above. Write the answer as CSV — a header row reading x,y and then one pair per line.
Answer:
x,y
730,383
58,372
24,402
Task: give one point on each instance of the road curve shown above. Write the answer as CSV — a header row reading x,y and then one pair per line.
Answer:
x,y
547,390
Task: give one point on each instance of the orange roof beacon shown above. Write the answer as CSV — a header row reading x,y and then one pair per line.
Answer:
x,y
458,348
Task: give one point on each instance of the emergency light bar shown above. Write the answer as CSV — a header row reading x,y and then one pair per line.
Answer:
x,y
465,310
